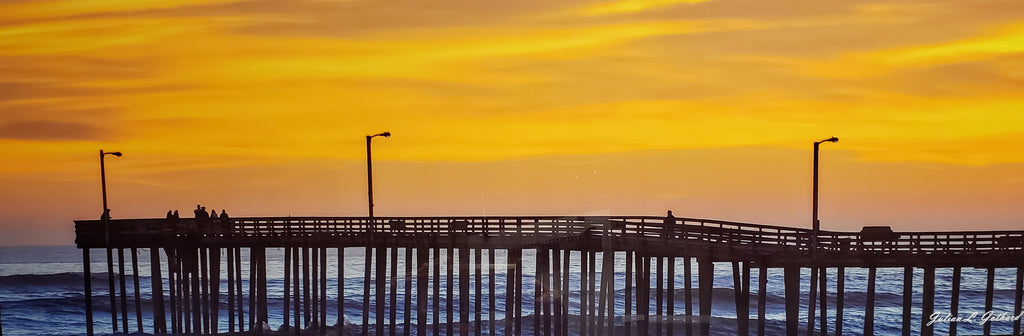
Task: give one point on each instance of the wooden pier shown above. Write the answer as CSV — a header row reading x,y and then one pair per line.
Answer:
x,y
197,255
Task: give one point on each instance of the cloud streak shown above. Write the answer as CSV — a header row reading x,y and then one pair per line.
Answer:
x,y
51,131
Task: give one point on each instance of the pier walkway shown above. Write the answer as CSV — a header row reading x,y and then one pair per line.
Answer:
x,y
195,251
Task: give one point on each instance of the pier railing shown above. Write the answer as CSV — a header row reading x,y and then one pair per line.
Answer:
x,y
624,233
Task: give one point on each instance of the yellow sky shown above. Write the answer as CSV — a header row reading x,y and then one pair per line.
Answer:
x,y
523,107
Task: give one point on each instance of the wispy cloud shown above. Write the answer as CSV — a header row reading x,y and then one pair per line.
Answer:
x,y
51,131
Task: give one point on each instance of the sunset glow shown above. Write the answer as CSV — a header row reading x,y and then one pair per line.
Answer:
x,y
626,107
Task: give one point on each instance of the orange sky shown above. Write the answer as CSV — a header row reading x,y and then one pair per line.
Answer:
x,y
621,107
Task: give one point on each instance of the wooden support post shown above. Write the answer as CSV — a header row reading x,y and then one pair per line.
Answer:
x,y
791,276
1018,295
313,271
172,289
231,286
238,289
111,279
565,292
908,291
215,289
464,280
584,310
297,289
197,291
659,277
184,276
156,283
519,291
393,304
812,301
492,268
602,300
538,294
323,290
367,270
628,314
264,307
607,292
671,297
477,297
762,295
954,301
253,270
437,290
928,301
450,289
688,294
87,274
592,292
823,298
341,288
737,291
124,290
204,287
307,299
422,281
381,290
408,292
741,284
643,284
185,289
840,294
556,277
509,293
989,287
706,278
869,305
287,286
138,294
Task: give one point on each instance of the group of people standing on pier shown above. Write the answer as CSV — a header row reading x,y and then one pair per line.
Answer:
x,y
201,214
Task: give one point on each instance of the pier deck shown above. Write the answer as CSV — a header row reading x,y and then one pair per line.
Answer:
x,y
194,249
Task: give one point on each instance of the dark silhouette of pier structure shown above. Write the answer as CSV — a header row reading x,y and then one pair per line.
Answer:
x,y
195,253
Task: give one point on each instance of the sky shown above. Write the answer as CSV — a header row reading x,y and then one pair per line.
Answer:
x,y
517,107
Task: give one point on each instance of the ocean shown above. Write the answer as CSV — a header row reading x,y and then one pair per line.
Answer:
x,y
41,293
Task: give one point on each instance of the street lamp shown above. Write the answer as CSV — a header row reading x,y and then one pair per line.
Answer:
x,y
369,171
816,227
369,251
815,230
105,217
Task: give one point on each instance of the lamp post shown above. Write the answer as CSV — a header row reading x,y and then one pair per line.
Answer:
x,y
816,227
815,230
369,172
369,250
105,217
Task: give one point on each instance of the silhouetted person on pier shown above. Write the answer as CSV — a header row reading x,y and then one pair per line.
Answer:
x,y
669,226
223,214
176,214
169,214
213,214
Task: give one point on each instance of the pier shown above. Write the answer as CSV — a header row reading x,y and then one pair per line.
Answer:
x,y
195,253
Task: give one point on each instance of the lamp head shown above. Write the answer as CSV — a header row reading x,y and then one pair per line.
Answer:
x,y
386,134
832,139
117,154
